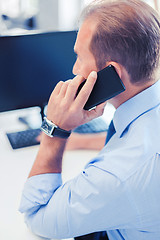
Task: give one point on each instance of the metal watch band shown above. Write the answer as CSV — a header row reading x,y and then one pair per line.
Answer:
x,y
52,130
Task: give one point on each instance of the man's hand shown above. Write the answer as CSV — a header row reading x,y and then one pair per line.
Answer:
x,y
66,110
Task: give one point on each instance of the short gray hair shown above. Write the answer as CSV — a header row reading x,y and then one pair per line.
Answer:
x,y
128,32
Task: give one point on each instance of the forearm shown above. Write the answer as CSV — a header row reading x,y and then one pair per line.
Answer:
x,y
94,141
65,111
49,157
45,203
86,141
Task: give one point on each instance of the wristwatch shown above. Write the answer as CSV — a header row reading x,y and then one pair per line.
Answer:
x,y
49,128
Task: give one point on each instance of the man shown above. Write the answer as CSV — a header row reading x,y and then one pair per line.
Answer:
x,y
118,191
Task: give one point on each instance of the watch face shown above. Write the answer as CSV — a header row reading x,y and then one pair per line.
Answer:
x,y
46,127
52,130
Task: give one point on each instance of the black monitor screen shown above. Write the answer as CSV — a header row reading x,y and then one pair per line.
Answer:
x,y
31,65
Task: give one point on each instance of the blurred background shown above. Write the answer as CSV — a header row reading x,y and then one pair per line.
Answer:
x,y
18,16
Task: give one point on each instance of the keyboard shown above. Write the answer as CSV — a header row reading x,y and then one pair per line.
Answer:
x,y
97,125
29,137
24,138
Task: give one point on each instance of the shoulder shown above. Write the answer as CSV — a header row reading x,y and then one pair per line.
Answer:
x,y
125,155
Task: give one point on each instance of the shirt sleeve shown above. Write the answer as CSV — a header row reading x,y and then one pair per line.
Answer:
x,y
85,204
38,190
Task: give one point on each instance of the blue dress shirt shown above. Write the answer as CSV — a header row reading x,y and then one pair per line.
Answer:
x,y
117,192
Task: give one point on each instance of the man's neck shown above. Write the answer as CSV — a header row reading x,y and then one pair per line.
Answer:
x,y
131,91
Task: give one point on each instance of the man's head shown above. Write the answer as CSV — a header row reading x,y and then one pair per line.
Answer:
x,y
126,32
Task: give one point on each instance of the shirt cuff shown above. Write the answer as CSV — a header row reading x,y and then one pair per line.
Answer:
x,y
38,190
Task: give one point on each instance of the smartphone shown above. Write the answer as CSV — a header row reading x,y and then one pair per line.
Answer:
x,y
108,85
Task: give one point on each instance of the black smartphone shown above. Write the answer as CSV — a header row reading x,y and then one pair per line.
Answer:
x,y
108,85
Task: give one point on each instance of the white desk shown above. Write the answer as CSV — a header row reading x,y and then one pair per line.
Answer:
x,y
14,168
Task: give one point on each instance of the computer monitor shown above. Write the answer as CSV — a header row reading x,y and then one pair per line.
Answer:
x,y
31,65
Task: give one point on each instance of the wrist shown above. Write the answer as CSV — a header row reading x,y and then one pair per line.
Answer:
x,y
48,141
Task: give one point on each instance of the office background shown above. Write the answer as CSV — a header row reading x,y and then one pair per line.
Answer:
x,y
44,15
23,17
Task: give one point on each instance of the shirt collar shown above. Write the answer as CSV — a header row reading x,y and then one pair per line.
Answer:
x,y
136,106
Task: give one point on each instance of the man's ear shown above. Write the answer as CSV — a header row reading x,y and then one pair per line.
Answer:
x,y
117,67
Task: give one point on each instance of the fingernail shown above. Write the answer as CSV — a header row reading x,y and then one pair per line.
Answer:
x,y
93,74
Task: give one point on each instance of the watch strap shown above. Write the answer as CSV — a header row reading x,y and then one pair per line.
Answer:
x,y
59,132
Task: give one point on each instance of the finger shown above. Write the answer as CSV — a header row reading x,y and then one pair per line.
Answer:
x,y
86,90
57,88
63,89
73,87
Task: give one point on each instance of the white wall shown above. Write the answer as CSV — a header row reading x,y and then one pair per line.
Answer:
x,y
69,11
47,17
